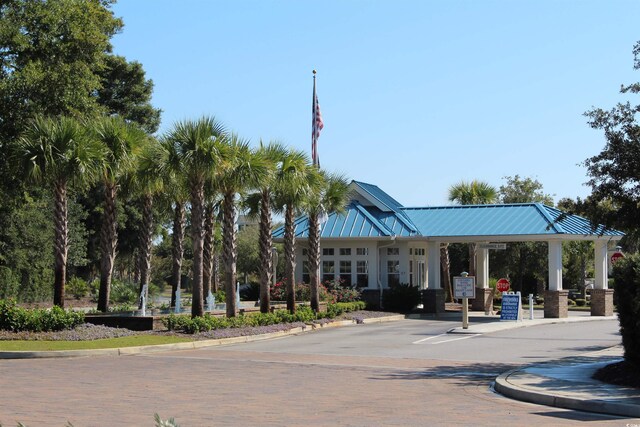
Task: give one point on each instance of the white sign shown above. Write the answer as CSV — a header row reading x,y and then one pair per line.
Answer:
x,y
500,246
464,287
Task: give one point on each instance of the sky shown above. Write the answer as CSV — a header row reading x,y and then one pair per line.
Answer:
x,y
416,96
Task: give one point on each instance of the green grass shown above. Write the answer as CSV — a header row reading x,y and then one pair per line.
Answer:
x,y
132,341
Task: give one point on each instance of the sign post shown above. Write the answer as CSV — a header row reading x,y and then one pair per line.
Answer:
x,y
464,286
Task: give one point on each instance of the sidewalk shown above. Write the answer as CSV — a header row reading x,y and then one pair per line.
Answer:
x,y
564,383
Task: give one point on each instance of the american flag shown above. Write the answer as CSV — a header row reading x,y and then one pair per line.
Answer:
x,y
316,125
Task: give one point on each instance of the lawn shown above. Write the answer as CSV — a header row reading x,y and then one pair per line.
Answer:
x,y
129,341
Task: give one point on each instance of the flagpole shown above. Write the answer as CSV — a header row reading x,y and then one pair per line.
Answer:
x,y
314,133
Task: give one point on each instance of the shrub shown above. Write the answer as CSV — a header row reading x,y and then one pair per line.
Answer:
x,y
77,287
581,302
571,303
626,274
401,298
123,292
14,318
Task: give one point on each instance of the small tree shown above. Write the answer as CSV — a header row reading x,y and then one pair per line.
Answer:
x,y
627,299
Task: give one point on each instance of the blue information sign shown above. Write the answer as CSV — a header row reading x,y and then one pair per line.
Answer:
x,y
510,309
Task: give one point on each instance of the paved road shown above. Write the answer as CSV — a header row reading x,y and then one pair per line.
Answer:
x,y
402,373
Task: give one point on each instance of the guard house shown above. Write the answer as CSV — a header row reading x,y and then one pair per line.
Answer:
x,y
378,242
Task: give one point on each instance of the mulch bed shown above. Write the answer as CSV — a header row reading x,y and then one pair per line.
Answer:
x,y
622,373
89,332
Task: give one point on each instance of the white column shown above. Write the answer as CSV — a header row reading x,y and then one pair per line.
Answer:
x,y
555,265
601,267
433,265
482,268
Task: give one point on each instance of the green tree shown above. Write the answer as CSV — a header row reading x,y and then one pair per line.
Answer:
x,y
148,183
50,55
472,193
244,170
260,204
121,143
328,197
614,176
59,153
292,188
125,91
195,156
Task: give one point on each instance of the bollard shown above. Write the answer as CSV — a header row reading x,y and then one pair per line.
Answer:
x,y
530,306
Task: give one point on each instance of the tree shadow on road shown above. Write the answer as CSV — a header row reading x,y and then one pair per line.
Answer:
x,y
465,374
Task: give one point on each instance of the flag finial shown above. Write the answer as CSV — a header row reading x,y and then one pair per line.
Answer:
x,y
314,72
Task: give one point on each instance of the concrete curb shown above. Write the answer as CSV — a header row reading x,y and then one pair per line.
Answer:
x,y
122,351
485,328
549,398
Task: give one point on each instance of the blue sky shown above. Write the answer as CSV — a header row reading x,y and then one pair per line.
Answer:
x,y
415,95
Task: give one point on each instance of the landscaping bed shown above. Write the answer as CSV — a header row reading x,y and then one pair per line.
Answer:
x,y
89,332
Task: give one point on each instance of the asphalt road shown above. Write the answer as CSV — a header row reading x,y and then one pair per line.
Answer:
x,y
405,373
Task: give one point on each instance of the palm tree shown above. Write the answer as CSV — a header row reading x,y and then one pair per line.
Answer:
x,y
259,205
244,170
177,192
58,152
472,193
292,188
148,182
121,142
329,197
212,209
195,155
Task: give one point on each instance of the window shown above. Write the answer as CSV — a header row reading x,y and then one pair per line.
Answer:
x,y
327,251
362,251
345,251
419,251
345,272
393,273
362,274
306,277
393,251
328,271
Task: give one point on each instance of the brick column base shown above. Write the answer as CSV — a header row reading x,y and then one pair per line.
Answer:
x,y
433,300
602,302
483,300
556,304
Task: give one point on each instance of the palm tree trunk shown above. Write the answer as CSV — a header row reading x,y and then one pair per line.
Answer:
x,y
61,242
290,258
108,243
197,207
177,250
207,257
446,270
229,253
314,261
146,239
266,255
215,270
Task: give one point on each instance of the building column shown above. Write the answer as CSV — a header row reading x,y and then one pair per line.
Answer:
x,y
601,295
484,295
433,296
555,299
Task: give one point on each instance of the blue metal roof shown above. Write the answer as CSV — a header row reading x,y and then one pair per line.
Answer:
x,y
519,219
498,220
375,192
357,221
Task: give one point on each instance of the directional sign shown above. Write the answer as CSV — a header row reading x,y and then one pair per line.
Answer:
x,y
464,287
499,246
